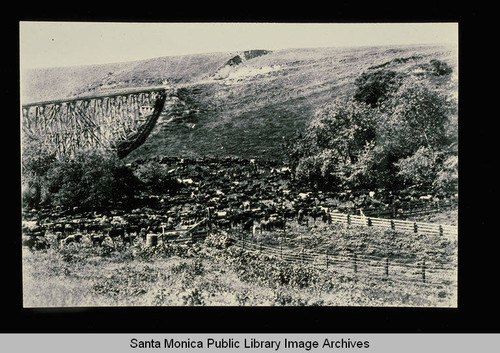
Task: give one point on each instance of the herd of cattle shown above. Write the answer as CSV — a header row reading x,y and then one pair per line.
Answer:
x,y
249,194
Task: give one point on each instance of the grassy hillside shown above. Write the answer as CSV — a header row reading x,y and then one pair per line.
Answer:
x,y
59,83
238,104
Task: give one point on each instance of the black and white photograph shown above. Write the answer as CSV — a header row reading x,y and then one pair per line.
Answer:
x,y
256,164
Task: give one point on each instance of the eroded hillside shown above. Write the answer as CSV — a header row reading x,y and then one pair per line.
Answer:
x,y
238,104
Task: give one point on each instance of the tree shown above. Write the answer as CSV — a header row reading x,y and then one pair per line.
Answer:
x,y
446,180
414,116
374,87
337,146
90,179
421,168
407,139
155,176
36,162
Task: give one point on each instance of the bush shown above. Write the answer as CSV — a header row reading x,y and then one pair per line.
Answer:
x,y
446,180
340,147
421,169
437,68
35,165
373,87
156,178
403,140
218,240
88,180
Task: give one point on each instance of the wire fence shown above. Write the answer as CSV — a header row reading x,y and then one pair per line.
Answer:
x,y
424,271
361,265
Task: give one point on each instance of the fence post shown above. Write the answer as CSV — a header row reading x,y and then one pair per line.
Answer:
x,y
281,249
440,230
369,222
387,267
355,263
415,227
302,255
151,240
393,226
209,218
348,219
131,240
163,234
423,271
326,258
260,246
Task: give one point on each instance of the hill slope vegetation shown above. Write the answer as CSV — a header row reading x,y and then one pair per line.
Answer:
x,y
238,104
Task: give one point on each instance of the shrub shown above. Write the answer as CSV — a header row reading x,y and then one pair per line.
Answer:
x,y
420,169
89,180
193,297
218,240
156,178
446,180
373,87
36,163
339,152
437,68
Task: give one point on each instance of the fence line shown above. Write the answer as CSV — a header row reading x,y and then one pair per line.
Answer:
x,y
404,226
423,272
406,209
419,272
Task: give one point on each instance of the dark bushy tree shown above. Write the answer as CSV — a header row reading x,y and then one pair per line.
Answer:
x,y
440,68
374,87
405,140
35,165
89,179
339,144
156,178
414,116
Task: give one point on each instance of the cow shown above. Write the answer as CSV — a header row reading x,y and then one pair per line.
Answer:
x,y
248,224
34,242
257,227
97,239
276,223
118,232
73,238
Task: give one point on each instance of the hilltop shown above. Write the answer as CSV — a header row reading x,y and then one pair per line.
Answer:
x,y
243,104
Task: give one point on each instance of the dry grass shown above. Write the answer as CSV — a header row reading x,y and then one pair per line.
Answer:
x,y
265,99
83,275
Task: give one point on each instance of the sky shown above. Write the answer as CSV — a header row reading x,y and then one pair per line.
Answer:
x,y
61,44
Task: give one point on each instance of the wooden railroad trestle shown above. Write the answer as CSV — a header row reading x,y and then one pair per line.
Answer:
x,y
120,121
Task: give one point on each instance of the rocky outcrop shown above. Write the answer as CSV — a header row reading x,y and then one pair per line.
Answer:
x,y
223,71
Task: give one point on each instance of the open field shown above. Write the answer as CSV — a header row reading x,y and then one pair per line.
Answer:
x,y
213,273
